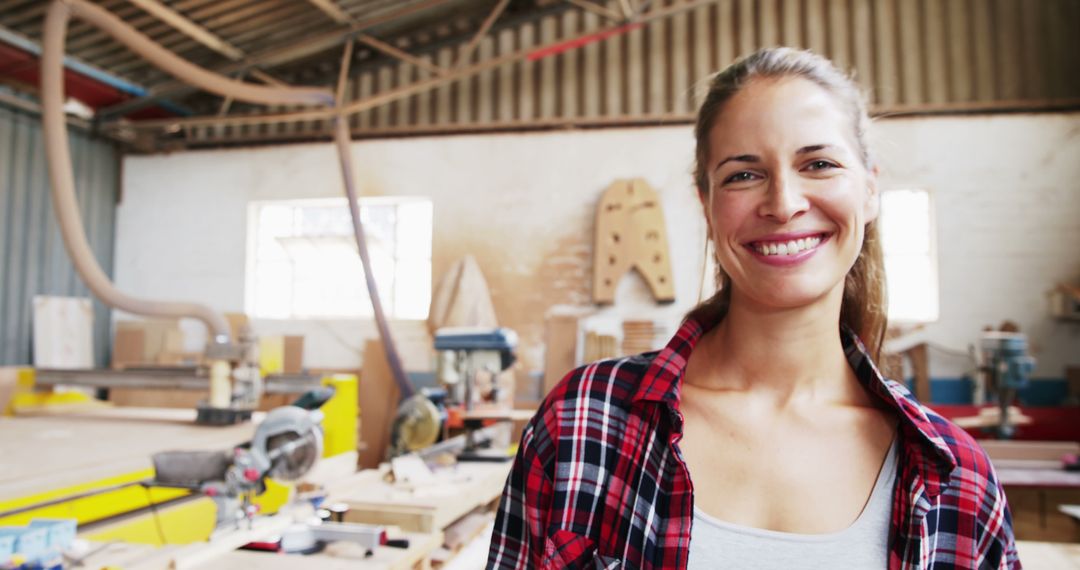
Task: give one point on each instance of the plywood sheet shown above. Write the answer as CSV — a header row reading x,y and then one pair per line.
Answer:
x,y
47,450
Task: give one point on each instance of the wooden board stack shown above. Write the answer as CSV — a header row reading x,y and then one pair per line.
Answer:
x,y
638,336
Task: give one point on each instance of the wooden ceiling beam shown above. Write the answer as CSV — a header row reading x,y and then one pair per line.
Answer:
x,y
330,8
189,28
403,91
398,53
268,58
463,57
602,11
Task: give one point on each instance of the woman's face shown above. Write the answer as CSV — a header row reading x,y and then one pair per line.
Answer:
x,y
789,195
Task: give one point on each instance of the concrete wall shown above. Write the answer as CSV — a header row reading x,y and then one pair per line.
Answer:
x,y
1007,191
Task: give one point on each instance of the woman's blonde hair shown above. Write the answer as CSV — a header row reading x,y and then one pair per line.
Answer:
x,y
864,308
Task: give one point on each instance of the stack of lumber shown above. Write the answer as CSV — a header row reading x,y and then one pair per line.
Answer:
x,y
638,336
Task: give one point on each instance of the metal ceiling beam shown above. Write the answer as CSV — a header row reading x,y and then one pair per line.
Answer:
x,y
413,88
268,58
189,28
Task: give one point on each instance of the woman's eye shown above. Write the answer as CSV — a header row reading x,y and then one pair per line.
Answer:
x,y
739,177
820,165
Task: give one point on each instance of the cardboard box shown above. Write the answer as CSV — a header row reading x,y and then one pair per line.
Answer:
x,y
293,361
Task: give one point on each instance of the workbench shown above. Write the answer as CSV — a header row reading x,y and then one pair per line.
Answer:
x,y
1049,555
336,556
64,452
454,492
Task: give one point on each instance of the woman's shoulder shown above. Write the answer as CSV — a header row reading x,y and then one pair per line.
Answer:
x,y
595,391
972,462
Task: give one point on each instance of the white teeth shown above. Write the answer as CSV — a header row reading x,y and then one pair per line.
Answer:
x,y
789,248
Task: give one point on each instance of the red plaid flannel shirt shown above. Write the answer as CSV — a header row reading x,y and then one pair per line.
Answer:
x,y
599,482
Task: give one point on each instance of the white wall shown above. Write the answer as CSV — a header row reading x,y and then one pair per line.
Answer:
x,y
1006,190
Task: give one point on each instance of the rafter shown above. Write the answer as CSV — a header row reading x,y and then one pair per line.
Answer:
x,y
330,8
602,11
398,53
268,58
189,28
380,99
466,53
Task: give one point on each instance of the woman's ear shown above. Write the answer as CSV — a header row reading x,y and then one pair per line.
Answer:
x,y
872,207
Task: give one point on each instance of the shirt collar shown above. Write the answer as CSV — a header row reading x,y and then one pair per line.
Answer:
x,y
661,383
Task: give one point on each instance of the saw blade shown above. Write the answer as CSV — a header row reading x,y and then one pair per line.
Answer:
x,y
292,454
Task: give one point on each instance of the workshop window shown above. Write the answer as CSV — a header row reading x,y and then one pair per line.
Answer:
x,y
303,261
909,242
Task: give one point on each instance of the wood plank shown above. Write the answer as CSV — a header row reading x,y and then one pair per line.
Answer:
x,y
960,56
1034,68
424,98
560,349
379,397
504,111
814,20
485,83
590,76
1048,555
837,16
983,58
443,113
747,28
454,493
658,67
1007,20
937,80
614,91
526,70
569,78
768,28
635,72
548,85
911,53
703,66
385,83
403,112
862,45
791,25
680,64
886,76
96,443
465,95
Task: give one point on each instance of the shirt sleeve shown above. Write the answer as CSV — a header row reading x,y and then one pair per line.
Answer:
x,y
998,545
518,540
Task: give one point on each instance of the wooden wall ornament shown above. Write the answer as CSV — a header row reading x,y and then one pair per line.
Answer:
x,y
630,234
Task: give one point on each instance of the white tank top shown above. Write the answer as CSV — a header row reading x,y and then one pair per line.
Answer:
x,y
715,544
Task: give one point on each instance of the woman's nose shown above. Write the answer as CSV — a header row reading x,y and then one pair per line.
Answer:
x,y
783,200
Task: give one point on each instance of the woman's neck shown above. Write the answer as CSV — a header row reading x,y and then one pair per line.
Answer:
x,y
781,354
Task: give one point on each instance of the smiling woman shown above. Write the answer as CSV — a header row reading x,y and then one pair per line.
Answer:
x,y
762,435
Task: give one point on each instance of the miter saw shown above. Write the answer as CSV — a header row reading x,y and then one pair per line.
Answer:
x,y
462,353
1007,364
285,447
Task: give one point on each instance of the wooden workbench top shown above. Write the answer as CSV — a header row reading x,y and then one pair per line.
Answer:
x,y
336,556
60,449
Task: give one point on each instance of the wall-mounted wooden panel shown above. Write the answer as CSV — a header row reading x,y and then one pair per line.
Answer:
x,y
909,55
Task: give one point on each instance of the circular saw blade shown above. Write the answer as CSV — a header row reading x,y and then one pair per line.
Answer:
x,y
293,454
417,424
